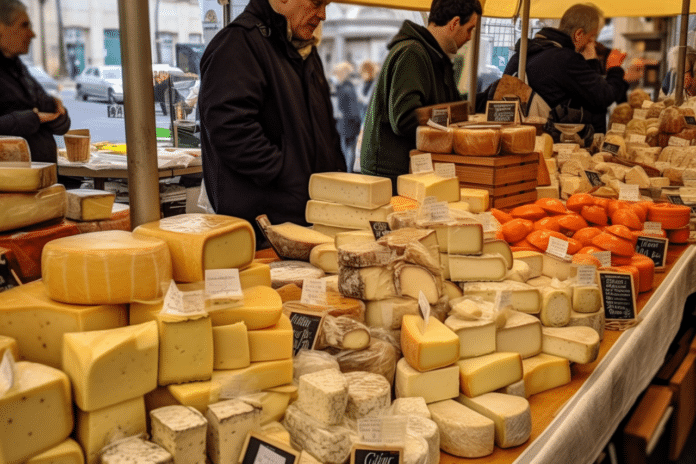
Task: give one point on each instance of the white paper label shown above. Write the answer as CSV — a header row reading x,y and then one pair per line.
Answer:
x,y
564,156
178,303
618,127
654,228
557,247
629,192
445,170
539,145
489,222
424,308
422,163
314,292
587,275
636,138
678,142
604,257
438,212
384,429
266,455
223,282
7,372
640,113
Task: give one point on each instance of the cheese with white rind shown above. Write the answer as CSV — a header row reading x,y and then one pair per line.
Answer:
x,y
410,406
353,236
432,386
399,240
467,268
180,430
587,298
368,394
368,283
433,140
293,272
389,312
262,307
555,307
109,267
324,396
470,141
412,280
338,215
520,272
489,372
500,247
185,350
89,204
534,260
523,297
522,334
577,344
544,372
420,186
328,444
198,242
67,452
352,189
592,320
427,429
514,389
23,209
476,337
293,241
511,414
463,431
27,178
325,257
451,290
135,449
428,348
517,140
228,424
365,254
478,199
343,333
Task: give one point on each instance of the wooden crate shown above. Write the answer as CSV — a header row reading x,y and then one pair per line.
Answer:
x,y
510,180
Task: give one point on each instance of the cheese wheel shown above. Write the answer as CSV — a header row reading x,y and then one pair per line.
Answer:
x,y
571,222
594,214
616,245
646,271
547,223
532,212
552,205
586,234
23,209
679,236
576,201
516,229
476,142
621,232
430,139
669,215
27,178
517,140
627,217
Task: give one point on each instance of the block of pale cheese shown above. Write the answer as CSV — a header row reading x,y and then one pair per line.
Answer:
x,y
258,376
67,452
489,372
327,444
586,298
23,209
463,431
553,266
534,259
198,395
271,343
544,372
511,414
231,346
325,257
466,268
14,149
353,236
420,186
521,334
38,323
577,344
500,247
465,238
343,333
261,308
336,214
555,306
36,412
523,297
331,231
433,140
367,283
182,431
517,140
110,366
323,395
428,348
292,241
106,267
410,406
389,312
412,280
478,199
368,394
203,241
352,189
229,422
254,274
89,204
593,320
185,349
27,177
135,449
435,385
476,337
477,141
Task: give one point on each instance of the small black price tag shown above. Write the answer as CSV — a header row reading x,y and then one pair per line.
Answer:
x,y
305,328
690,120
376,454
261,449
611,148
502,111
675,199
594,178
618,295
654,248
379,229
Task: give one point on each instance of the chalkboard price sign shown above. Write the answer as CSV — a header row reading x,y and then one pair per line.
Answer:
x,y
611,148
675,199
305,327
690,120
654,248
594,178
371,454
259,449
502,111
379,229
618,296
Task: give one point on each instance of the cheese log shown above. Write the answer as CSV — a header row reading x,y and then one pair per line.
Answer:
x,y
338,215
325,257
22,209
410,280
432,140
428,348
292,241
368,394
203,241
262,308
96,429
110,366
181,431
500,247
185,350
412,406
343,333
258,376
511,415
432,386
229,422
517,140
38,323
489,372
89,204
555,307
466,268
522,334
135,449
587,298
463,431
353,236
272,343
368,283
389,312
592,320
36,412
293,272
328,444
27,178
576,344
231,347
476,337
478,199
420,186
109,267
364,254
359,190
544,372
254,274
476,142
523,297
67,452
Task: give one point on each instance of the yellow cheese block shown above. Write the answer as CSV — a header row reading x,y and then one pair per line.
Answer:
x,y
262,308
231,346
432,386
38,323
28,177
196,394
107,367
22,209
428,348
108,267
203,241
36,412
89,204
420,186
258,376
272,343
489,372
185,350
9,343
67,452
254,274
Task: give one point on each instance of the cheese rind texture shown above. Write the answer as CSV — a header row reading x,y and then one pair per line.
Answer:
x,y
22,209
576,344
328,444
203,241
182,431
89,204
463,431
228,424
324,396
359,190
292,241
109,267
338,215
368,394
135,449
28,178
511,414
428,348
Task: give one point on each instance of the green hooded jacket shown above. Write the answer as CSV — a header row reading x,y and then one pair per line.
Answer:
x,y
416,73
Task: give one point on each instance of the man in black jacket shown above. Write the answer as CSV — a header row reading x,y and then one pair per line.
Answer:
x,y
26,110
266,116
562,65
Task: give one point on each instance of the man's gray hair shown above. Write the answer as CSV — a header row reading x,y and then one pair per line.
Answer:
x,y
9,10
585,16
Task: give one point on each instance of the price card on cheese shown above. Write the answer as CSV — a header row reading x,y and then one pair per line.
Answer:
x,y
421,163
652,228
503,299
604,257
382,429
675,141
618,296
223,282
690,120
635,138
376,454
654,248
7,372
260,449
438,211
629,192
305,328
611,148
446,170
641,113
183,304
616,127
440,116
379,229
557,247
489,222
314,292
424,308
587,275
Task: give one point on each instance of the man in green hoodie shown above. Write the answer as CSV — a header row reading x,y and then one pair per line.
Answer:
x,y
417,72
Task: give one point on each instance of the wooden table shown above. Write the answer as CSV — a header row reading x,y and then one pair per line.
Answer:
x,y
100,175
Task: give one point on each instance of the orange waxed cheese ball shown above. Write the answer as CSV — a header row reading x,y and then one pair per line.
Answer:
x,y
594,214
576,201
516,229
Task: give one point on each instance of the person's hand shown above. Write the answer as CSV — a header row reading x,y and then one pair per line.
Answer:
x,y
60,109
47,117
615,58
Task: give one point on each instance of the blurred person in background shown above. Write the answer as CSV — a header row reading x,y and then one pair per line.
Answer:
x,y
368,75
669,83
26,110
348,124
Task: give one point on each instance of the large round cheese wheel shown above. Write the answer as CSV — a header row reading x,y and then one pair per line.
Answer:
x,y
477,142
433,140
517,140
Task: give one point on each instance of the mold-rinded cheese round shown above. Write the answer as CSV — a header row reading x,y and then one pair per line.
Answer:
x,y
517,139
368,394
27,178
203,241
108,267
511,414
433,140
463,431
477,142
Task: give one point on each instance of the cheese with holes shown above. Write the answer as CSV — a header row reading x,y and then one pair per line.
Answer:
x,y
272,343
428,348
231,346
433,140
555,307
489,372
478,199
467,268
185,350
255,274
36,412
229,422
412,406
463,431
511,415
109,267
359,190
368,394
28,177
587,298
203,241
262,308
181,431
135,449
96,429
328,444
517,140
23,209
523,297
336,214
353,236
472,141
365,254
38,323
67,452
411,280
577,344
534,260
257,376
500,247
324,396
325,257
420,186
522,334
110,366
434,385
14,149
89,204
544,372
592,320
367,283
476,337
389,312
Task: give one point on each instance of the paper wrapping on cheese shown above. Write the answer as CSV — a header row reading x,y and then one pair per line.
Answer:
x,y
24,209
379,357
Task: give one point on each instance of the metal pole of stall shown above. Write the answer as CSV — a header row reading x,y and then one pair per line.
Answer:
x,y
522,70
139,102
683,31
473,77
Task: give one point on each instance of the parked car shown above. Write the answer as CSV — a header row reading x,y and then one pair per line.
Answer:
x,y
105,82
49,84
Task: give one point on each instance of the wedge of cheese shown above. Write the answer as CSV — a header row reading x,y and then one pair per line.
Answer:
x,y
522,334
432,386
359,190
23,209
420,186
353,236
272,343
467,268
29,177
511,414
428,348
254,274
500,247
67,452
476,337
544,372
89,204
478,199
489,372
523,297
463,431
292,241
262,308
325,257
364,254
412,280
576,344
368,283
592,320
517,140
338,215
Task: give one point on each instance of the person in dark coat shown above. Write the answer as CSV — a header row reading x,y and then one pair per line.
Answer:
x,y
267,121
26,110
562,65
348,124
